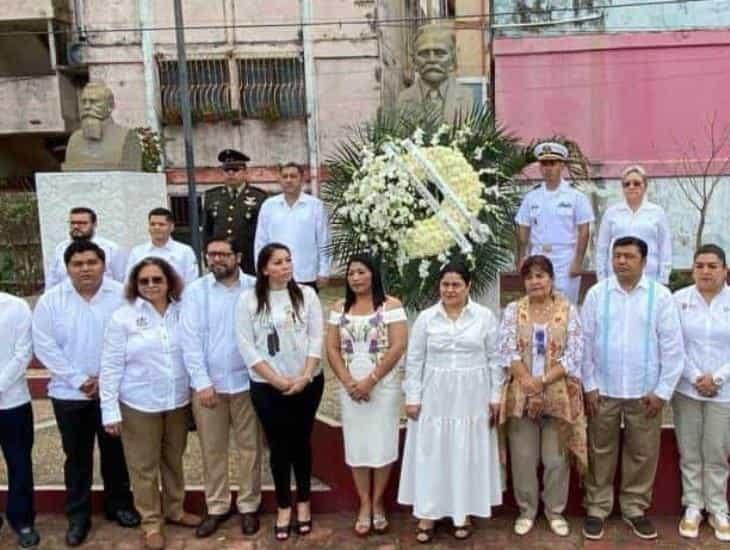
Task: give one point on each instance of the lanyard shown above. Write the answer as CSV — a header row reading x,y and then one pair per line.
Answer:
x,y
647,329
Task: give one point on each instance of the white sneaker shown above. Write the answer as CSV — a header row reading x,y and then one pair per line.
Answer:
x,y
721,525
559,526
689,526
523,526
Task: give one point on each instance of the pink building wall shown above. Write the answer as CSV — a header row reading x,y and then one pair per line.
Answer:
x,y
625,98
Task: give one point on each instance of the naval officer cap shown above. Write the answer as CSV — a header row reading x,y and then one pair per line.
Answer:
x,y
550,150
230,158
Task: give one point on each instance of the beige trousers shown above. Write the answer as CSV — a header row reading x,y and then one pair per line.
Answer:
x,y
234,416
154,444
703,436
639,457
529,442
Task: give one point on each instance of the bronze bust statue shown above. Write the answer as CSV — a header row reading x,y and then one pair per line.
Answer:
x,y
101,143
435,63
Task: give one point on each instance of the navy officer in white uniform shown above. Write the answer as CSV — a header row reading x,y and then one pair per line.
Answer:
x,y
554,220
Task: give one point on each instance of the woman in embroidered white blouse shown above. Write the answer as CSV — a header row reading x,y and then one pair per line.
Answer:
x,y
637,217
451,462
366,340
144,390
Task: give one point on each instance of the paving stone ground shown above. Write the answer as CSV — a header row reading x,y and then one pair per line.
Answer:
x,y
333,531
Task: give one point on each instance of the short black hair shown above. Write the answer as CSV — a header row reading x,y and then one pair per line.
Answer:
x,y
456,267
80,246
632,241
160,211
84,210
223,238
291,164
712,249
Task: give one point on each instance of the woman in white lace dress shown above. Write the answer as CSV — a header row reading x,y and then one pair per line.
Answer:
x,y
365,342
451,462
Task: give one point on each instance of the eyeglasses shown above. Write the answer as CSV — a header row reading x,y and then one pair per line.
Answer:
x,y
232,170
224,255
540,341
632,183
148,281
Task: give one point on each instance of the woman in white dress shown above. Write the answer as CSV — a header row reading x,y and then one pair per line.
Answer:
x,y
451,464
366,340
636,217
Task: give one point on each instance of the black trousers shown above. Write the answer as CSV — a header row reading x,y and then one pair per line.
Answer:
x,y
16,440
80,423
287,421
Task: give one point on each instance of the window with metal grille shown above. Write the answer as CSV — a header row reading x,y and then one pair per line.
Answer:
x,y
271,88
209,83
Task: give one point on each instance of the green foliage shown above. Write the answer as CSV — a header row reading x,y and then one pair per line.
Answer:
x,y
151,148
21,264
502,159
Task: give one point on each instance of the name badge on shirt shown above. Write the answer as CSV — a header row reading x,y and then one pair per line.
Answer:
x,y
142,322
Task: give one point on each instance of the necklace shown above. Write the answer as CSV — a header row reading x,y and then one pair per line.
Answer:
x,y
542,311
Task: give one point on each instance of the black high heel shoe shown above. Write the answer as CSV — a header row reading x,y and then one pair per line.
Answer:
x,y
304,527
282,533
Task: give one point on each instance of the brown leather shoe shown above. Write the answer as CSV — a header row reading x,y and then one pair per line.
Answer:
x,y
186,520
154,541
250,523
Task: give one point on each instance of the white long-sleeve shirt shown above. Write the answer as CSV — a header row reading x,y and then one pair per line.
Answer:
x,y
299,337
303,227
16,350
68,334
572,358
706,331
439,342
650,224
208,331
142,364
178,255
114,268
632,340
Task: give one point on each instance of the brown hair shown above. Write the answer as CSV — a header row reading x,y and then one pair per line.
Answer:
x,y
174,282
539,261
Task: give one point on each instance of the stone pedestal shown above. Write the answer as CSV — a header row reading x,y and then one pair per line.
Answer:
x,y
121,201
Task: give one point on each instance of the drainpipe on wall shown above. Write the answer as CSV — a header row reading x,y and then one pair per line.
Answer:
x,y
150,78
310,90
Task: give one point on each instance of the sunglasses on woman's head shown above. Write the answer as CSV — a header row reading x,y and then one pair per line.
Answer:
x,y
147,281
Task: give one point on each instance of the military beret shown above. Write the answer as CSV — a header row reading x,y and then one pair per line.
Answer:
x,y
233,158
549,150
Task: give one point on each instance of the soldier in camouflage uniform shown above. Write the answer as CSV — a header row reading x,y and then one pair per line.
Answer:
x,y
232,209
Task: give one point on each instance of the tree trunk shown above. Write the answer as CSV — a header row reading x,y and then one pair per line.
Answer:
x,y
700,227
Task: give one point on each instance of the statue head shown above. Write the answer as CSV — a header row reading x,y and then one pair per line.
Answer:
x,y
97,102
435,53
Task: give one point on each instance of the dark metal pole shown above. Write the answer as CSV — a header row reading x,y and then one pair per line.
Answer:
x,y
187,120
